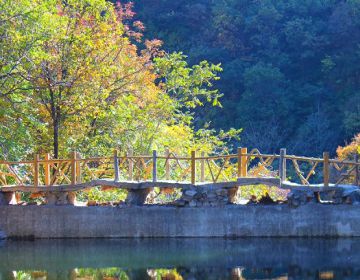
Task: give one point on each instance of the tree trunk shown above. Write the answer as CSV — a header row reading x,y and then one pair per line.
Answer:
x,y
56,137
56,117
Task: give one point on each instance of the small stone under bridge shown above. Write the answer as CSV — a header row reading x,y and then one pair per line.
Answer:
x,y
205,180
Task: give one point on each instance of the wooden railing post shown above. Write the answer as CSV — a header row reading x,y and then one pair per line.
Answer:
x,y
202,167
167,164
116,166
326,173
36,170
73,168
239,170
282,165
47,169
193,167
78,168
154,166
357,173
243,162
131,164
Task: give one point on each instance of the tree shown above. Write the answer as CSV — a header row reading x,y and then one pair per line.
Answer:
x,y
86,84
82,64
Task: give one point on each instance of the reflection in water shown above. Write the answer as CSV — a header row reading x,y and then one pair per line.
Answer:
x,y
176,259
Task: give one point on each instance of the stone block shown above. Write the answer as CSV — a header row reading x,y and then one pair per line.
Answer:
x,y
211,195
327,196
353,198
2,199
222,192
137,197
2,235
192,203
179,203
60,198
232,195
297,198
7,197
71,198
190,193
50,198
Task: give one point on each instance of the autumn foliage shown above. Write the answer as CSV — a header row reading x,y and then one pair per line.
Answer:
x,y
79,75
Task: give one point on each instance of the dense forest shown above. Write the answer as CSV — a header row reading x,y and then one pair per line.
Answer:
x,y
291,69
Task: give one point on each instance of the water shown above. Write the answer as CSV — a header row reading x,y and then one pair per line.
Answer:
x,y
181,259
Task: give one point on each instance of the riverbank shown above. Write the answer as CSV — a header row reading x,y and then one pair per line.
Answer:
x,y
310,220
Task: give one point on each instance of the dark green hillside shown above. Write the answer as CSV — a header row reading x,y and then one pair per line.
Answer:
x,y
291,68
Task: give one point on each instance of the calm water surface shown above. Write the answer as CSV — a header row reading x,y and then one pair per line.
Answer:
x,y
181,259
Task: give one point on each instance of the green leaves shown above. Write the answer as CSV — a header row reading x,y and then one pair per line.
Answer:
x,y
190,86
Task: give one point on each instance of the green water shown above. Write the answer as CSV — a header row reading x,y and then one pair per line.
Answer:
x,y
181,259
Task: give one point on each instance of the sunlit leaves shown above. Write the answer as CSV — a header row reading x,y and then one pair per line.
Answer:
x,y
191,86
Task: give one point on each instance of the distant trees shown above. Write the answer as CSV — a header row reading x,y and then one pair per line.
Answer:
x,y
286,62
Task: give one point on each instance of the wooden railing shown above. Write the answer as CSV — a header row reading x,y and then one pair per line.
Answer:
x,y
46,171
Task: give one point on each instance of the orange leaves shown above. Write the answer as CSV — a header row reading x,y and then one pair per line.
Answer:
x,y
124,11
153,47
139,25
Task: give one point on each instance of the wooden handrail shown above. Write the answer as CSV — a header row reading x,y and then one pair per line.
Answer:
x,y
42,161
49,172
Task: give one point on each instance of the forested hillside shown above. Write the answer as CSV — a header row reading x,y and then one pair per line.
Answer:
x,y
291,68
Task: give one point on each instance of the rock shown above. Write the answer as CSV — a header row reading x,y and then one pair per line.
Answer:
x,y
222,192
338,197
347,189
212,199
211,195
353,198
327,196
190,193
72,198
199,195
192,203
297,198
60,198
32,203
232,195
206,204
2,235
187,198
7,197
179,203
137,197
2,199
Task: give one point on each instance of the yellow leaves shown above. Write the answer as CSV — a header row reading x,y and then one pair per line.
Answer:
x,y
350,150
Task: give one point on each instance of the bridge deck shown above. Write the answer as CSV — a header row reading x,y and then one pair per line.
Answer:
x,y
136,185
